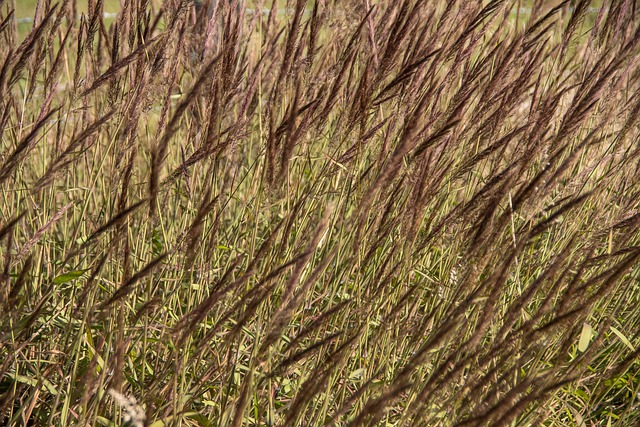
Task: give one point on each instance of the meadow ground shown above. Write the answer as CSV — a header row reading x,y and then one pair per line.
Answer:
x,y
394,213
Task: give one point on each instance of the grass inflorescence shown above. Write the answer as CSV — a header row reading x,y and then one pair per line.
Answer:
x,y
320,213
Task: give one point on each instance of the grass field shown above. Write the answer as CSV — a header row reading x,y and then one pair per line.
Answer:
x,y
375,213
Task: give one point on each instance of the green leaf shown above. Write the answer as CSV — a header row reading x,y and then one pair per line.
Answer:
x,y
585,337
68,276
157,242
624,339
33,382
357,374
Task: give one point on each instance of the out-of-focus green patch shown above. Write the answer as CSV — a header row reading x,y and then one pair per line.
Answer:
x,y
25,11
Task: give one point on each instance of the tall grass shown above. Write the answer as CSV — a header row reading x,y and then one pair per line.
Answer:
x,y
329,213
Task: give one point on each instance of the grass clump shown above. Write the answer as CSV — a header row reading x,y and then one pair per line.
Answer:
x,y
372,213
